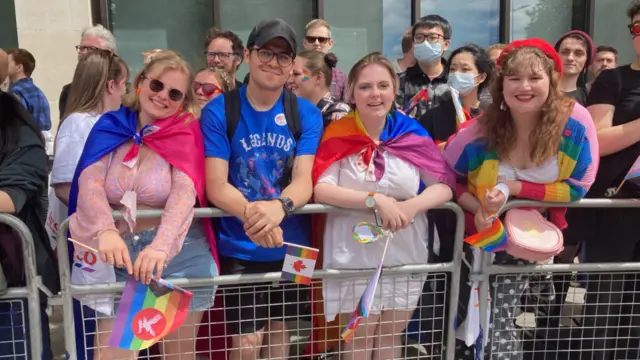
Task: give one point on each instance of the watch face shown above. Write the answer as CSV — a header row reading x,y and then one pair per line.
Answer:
x,y
370,202
288,204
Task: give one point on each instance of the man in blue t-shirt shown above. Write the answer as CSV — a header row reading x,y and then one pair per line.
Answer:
x,y
243,179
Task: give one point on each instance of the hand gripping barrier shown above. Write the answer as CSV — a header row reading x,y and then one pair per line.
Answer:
x,y
31,290
69,291
556,329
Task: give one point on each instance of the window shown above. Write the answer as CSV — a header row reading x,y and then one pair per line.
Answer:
x,y
610,28
8,28
240,16
545,19
472,21
143,25
379,26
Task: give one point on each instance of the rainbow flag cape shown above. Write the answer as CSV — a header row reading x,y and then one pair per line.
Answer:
x,y
492,239
148,313
402,137
298,264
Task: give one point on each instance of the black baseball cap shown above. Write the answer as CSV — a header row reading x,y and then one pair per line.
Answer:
x,y
267,30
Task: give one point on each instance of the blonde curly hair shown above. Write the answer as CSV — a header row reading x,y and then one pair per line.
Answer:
x,y
497,124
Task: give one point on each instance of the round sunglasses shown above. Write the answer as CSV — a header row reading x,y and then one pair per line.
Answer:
x,y
208,89
156,86
634,29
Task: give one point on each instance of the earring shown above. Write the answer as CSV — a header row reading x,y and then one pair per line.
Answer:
x,y
180,109
139,91
503,107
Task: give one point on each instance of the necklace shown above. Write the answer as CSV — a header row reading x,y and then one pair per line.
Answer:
x,y
251,102
513,169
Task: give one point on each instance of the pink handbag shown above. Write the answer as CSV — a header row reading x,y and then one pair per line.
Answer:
x,y
531,236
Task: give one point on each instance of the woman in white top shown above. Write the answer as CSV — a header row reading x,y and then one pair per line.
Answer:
x,y
376,158
99,83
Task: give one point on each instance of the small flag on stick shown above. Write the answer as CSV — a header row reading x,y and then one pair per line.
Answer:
x,y
422,95
148,313
492,239
299,264
366,300
633,174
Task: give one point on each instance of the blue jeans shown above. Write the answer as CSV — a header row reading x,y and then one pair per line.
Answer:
x,y
193,261
14,330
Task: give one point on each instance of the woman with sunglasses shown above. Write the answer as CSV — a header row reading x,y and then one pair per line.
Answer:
x,y
611,235
147,155
311,79
209,83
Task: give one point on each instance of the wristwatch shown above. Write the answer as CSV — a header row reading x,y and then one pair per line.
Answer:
x,y
287,205
370,200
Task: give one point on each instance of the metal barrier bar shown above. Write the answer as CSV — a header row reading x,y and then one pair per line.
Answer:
x,y
453,267
31,290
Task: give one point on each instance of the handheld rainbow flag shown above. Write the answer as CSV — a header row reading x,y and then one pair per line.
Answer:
x,y
461,118
422,95
299,264
492,239
148,313
366,300
633,174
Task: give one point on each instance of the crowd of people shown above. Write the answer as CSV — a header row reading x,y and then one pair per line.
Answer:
x,y
392,139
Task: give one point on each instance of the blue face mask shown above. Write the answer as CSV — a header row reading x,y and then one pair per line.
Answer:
x,y
427,52
462,82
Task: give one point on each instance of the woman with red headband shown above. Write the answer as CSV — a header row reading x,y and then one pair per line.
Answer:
x,y
532,142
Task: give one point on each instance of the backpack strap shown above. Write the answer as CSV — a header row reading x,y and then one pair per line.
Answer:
x,y
291,114
232,111
293,122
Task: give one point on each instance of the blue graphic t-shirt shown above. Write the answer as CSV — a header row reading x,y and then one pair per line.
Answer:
x,y
257,156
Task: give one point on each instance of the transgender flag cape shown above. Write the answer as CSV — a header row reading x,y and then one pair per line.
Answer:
x,y
403,137
176,139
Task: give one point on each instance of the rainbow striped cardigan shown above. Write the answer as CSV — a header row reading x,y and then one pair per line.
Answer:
x,y
578,159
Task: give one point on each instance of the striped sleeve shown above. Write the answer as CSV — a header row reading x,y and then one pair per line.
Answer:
x,y
457,151
580,147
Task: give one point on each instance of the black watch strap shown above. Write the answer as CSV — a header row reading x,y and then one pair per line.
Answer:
x,y
287,205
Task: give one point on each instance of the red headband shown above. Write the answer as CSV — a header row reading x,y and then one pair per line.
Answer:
x,y
537,43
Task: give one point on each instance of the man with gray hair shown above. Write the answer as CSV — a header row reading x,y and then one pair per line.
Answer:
x,y
93,38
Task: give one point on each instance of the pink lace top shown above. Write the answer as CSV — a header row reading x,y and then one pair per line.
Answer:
x,y
109,184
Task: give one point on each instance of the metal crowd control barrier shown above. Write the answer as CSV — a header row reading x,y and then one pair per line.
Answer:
x,y
69,291
30,291
501,272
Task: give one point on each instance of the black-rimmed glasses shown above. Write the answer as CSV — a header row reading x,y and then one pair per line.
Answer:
x,y
219,54
266,55
433,37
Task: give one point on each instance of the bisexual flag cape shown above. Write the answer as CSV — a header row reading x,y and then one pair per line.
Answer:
x,y
177,139
402,137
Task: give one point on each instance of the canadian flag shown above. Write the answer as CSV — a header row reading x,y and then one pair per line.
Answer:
x,y
299,264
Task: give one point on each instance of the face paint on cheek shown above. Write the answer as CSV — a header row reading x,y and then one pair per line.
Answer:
x,y
305,75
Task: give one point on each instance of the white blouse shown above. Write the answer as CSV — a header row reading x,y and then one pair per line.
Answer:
x,y
400,181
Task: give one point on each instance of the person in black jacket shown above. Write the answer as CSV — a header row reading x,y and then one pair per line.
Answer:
x,y
23,181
